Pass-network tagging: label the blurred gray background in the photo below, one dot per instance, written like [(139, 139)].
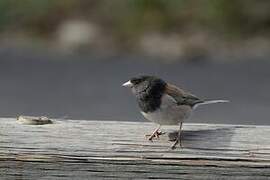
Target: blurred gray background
[(68, 59)]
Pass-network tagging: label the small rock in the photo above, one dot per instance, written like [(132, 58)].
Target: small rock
[(32, 120)]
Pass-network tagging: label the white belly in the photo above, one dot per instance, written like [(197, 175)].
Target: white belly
[(169, 112)]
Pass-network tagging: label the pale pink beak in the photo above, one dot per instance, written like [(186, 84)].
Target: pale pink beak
[(127, 84)]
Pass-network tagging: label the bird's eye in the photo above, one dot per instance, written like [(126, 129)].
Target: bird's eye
[(138, 80), (135, 81)]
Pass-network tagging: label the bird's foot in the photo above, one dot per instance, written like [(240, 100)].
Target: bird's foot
[(177, 141), (154, 135)]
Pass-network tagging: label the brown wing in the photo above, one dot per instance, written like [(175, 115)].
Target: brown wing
[(182, 97)]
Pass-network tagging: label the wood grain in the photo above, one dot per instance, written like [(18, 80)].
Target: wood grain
[(79, 149)]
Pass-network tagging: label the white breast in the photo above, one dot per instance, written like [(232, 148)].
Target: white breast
[(169, 112)]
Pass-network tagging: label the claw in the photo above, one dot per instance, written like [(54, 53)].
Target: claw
[(175, 144), (178, 139), (154, 135)]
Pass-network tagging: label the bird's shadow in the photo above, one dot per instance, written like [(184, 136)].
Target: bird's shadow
[(219, 138)]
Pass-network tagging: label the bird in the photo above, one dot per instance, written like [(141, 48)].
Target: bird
[(164, 103)]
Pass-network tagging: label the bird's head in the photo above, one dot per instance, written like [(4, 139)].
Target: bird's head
[(142, 83)]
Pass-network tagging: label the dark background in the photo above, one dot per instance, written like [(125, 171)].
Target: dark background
[(68, 59)]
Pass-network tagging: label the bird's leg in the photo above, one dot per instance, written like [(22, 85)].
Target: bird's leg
[(155, 133), (179, 138)]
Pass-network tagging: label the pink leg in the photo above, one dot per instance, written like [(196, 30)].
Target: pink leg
[(179, 138)]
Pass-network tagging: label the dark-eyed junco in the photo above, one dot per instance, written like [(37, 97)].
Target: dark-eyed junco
[(164, 103)]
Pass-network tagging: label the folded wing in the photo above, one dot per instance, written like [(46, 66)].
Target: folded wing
[(182, 97)]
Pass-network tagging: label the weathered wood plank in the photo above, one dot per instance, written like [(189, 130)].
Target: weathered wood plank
[(107, 149)]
